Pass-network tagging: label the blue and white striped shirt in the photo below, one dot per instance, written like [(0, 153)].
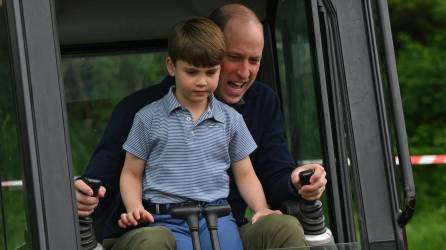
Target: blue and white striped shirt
[(186, 159)]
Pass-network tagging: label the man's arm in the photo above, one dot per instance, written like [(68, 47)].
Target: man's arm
[(108, 158), (272, 161)]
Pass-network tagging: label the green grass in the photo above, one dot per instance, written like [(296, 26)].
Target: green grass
[(427, 229)]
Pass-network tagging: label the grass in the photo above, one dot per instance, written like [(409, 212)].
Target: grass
[(426, 230)]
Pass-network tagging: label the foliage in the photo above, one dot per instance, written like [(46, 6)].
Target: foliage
[(422, 72), (426, 229), (419, 28), (93, 87)]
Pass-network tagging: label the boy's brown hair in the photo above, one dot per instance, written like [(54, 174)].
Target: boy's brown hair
[(197, 41)]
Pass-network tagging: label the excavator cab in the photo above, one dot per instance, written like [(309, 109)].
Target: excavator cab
[(66, 64)]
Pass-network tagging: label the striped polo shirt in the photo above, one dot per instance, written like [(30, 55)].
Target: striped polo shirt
[(186, 159)]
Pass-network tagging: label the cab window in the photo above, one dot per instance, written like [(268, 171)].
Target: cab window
[(13, 218), (94, 85), (297, 82)]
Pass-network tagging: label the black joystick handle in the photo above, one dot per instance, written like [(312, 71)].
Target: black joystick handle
[(310, 214), (305, 176), (212, 213), (190, 214), (94, 184), (88, 239)]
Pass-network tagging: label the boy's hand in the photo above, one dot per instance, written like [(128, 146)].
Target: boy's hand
[(134, 217), (264, 212)]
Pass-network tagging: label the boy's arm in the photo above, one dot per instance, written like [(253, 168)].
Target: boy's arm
[(131, 191), (250, 188)]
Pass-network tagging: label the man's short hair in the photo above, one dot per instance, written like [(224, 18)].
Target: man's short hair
[(197, 41), (224, 13)]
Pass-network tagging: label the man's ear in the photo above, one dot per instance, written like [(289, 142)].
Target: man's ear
[(170, 66)]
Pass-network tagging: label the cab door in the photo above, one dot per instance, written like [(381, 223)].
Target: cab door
[(341, 104), (34, 144)]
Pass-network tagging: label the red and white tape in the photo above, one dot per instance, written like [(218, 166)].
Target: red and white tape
[(415, 160), (15, 183), (426, 159)]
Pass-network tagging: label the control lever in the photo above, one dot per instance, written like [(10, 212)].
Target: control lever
[(212, 213), (88, 238), (304, 178), (311, 216), (190, 214)]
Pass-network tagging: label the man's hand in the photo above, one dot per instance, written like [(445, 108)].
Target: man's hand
[(316, 188), (86, 203)]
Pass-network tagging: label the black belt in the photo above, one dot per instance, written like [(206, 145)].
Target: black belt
[(155, 208)]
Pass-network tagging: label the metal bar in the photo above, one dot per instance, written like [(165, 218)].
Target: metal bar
[(341, 116), (398, 115), (52, 217), (36, 221), (326, 124)]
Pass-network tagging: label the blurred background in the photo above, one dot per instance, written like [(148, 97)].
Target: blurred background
[(419, 33)]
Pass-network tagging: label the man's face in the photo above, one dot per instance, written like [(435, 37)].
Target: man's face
[(244, 43)]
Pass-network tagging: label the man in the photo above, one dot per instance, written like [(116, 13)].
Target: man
[(260, 108)]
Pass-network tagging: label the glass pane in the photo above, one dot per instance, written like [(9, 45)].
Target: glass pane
[(297, 81), (12, 217), (298, 88), (94, 85), (297, 84)]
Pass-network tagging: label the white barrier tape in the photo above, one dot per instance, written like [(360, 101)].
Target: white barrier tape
[(427, 159), (15, 183), (415, 160)]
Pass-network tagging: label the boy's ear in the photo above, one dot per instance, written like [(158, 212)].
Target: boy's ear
[(170, 66)]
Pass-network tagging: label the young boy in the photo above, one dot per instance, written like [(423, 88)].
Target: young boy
[(180, 147)]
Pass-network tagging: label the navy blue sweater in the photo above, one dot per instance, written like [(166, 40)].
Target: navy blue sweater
[(261, 111)]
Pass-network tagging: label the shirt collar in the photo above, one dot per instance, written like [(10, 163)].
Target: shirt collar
[(215, 108), (170, 102)]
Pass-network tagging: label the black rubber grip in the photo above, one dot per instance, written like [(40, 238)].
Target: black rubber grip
[(305, 176), (94, 184)]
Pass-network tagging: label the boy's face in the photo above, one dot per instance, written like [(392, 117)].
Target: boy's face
[(193, 84)]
